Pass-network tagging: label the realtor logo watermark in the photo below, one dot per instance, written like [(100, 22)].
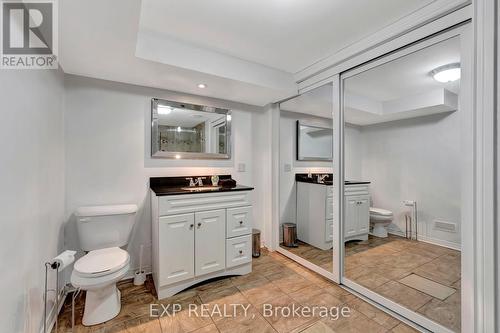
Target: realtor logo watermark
[(29, 34)]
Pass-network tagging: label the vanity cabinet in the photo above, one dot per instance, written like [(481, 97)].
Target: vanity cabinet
[(315, 214), (200, 236), (356, 212)]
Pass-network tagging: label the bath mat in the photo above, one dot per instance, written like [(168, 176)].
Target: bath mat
[(431, 288)]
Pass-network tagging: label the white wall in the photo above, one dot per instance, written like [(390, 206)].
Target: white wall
[(31, 192), (414, 159), (108, 159)]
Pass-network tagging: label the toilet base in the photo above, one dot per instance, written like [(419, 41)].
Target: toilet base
[(379, 230), (101, 305)]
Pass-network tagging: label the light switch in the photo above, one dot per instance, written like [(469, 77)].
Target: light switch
[(241, 167)]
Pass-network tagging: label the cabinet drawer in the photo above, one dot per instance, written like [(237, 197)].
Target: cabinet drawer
[(238, 251), (190, 203), (238, 221)]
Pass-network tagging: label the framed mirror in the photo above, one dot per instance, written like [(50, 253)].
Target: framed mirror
[(314, 143), (189, 131)]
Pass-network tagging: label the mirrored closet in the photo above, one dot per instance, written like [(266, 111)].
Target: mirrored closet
[(403, 130), (306, 177)]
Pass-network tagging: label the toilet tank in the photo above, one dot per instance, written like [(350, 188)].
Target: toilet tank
[(104, 226)]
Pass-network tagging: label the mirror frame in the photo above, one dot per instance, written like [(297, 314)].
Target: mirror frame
[(155, 149), (311, 159)]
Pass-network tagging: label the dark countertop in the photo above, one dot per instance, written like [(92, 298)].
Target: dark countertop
[(302, 177), (173, 185)]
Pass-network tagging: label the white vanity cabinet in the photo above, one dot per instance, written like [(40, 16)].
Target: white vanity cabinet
[(199, 236), (356, 212), (315, 214)]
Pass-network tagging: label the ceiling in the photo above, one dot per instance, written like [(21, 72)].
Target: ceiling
[(399, 89), (244, 51)]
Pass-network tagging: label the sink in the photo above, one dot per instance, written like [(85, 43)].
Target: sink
[(201, 188)]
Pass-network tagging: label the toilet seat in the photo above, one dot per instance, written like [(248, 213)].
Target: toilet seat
[(380, 212), (101, 262)]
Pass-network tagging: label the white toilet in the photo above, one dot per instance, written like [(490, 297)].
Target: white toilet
[(380, 219), (102, 230)]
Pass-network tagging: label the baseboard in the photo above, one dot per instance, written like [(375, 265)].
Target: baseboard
[(430, 240)]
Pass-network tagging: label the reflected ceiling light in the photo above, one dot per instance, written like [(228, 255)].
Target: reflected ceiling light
[(447, 73), (202, 85), (179, 129), (164, 110), (178, 156)]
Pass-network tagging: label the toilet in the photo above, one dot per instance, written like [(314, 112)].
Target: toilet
[(379, 220), (102, 231)]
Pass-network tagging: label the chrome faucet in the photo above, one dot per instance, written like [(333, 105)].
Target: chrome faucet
[(198, 181), (321, 178)]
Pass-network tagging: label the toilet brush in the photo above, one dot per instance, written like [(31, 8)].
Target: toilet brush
[(140, 275)]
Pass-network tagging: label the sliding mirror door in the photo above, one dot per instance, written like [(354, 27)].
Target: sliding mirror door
[(306, 177), (403, 154)]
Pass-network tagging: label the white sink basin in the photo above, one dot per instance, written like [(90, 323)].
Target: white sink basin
[(201, 188)]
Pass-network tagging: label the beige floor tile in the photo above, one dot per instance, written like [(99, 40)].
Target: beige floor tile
[(284, 321), (377, 315), (427, 286), (318, 327), (303, 294), (185, 320), (207, 329), (406, 296), (444, 270), (372, 280), (403, 328), (355, 323), (291, 283), (447, 312), (260, 291), (252, 322), (137, 325), (339, 293)]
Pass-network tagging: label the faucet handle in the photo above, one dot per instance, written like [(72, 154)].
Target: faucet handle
[(191, 181)]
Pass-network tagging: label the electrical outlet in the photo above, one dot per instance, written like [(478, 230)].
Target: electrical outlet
[(241, 167), (288, 167)]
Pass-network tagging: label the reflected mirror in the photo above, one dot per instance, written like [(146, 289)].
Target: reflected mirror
[(402, 140), (314, 143), (306, 202), (181, 130)]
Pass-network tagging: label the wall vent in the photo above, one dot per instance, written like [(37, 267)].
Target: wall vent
[(446, 226)]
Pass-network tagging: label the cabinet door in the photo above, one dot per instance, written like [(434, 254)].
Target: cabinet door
[(239, 221), (351, 216), (363, 215), (210, 241), (176, 248)]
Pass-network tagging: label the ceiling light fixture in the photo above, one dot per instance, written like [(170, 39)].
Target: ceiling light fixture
[(447, 73), (164, 110), (202, 85)]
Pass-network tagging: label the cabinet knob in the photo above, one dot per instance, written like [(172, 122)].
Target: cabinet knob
[(191, 226), (241, 251), (241, 222), (199, 224)]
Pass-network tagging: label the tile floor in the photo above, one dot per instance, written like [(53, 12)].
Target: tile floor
[(275, 280), (380, 263)]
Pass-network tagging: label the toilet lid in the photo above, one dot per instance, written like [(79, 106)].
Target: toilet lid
[(102, 262), (380, 211)]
